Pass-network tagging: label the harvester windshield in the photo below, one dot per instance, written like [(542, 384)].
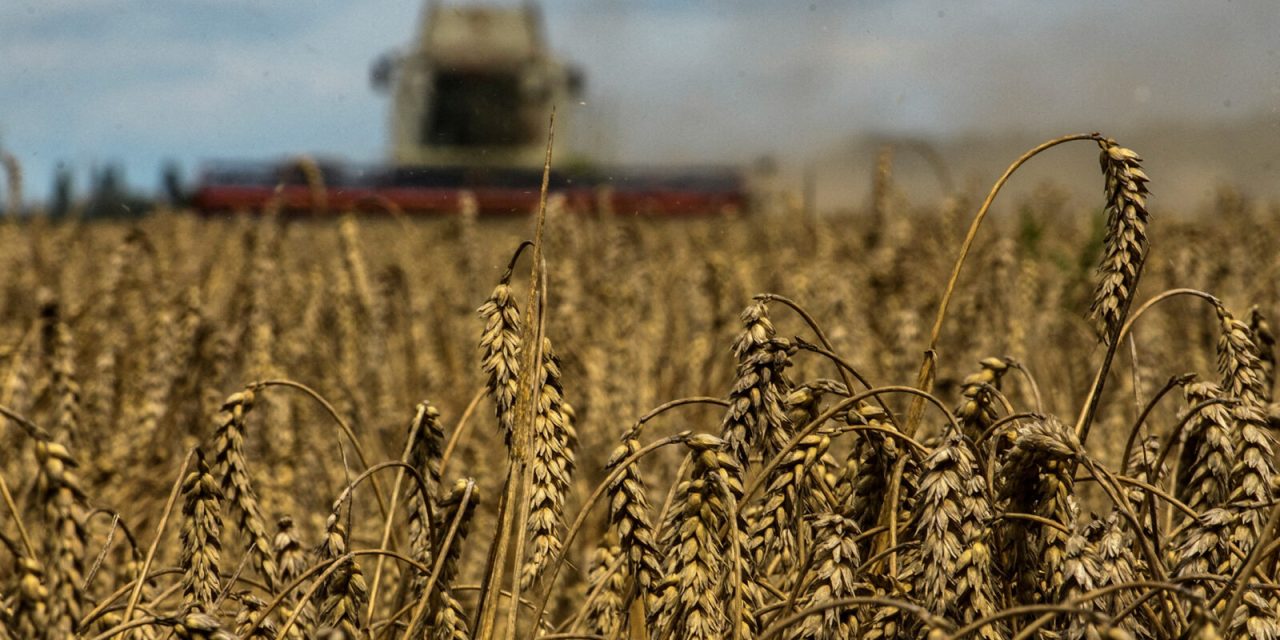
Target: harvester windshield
[(476, 109)]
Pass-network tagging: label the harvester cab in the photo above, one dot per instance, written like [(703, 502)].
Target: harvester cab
[(475, 88)]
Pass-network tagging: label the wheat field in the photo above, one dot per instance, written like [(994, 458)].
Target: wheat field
[(895, 424)]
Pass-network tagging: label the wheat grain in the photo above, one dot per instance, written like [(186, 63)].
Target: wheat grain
[(200, 626), (788, 499), (952, 521), (424, 455), (1074, 576), (1253, 474), (30, 600), (1241, 368), (1142, 466), (755, 421), (1118, 565), (344, 591), (63, 385), (1256, 617), (251, 608), (291, 562), (1203, 549), (1265, 340), (867, 479), (605, 615)]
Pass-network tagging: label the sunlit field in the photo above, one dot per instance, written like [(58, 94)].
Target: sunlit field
[(896, 423)]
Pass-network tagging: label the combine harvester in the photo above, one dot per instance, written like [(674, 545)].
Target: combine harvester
[(471, 103)]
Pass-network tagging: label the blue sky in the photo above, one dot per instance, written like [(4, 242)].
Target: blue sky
[(86, 82)]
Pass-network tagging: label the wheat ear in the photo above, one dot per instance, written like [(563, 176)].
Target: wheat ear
[(688, 604), (201, 529), (755, 415), (1126, 239), (449, 619), (1208, 453), (835, 560), (552, 462), (61, 495), (237, 486), (1037, 479), (953, 525), (629, 516)]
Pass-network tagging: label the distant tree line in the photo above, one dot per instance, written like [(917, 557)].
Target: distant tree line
[(109, 196)]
